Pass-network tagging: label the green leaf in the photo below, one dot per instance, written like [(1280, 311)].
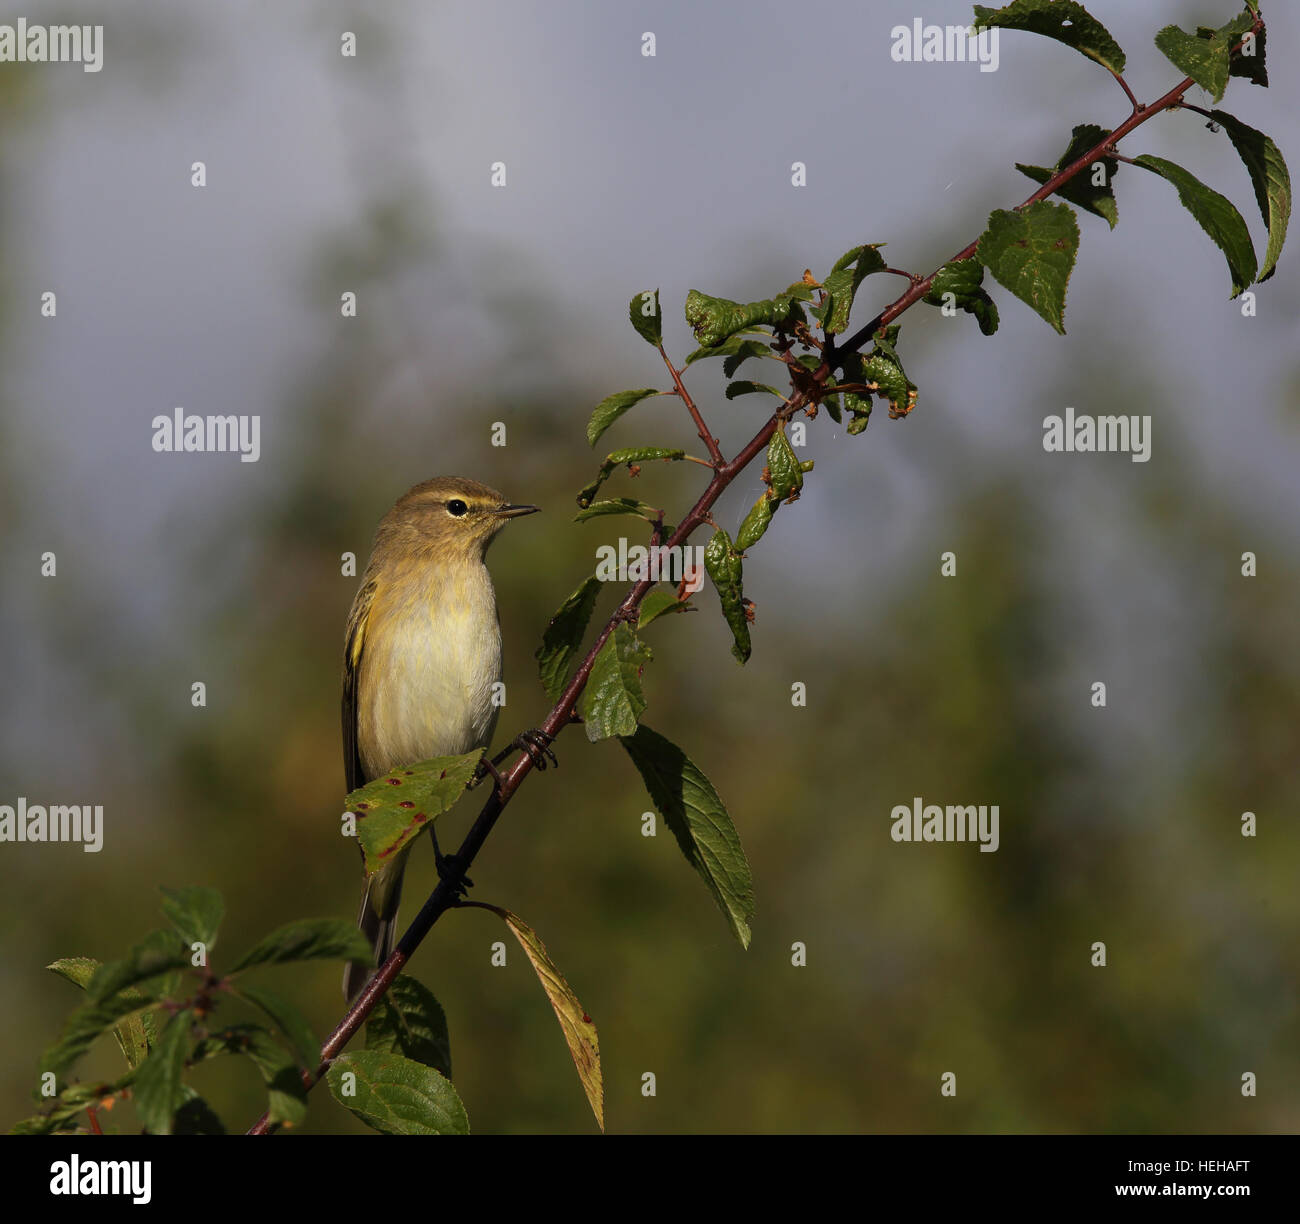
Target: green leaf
[(737, 347), (158, 1091), (1063, 20), (1204, 58), (76, 969), (578, 1028), (158, 953), (396, 1095), (1080, 189), (744, 387), (310, 939), (1249, 60), (883, 370), (288, 1019), (713, 319), (612, 407), (59, 1114), (744, 350), (563, 636), (1032, 253), (393, 810), (628, 455), (1269, 177), (962, 281), (195, 912), (699, 820), (91, 1020), (649, 326), (724, 566), (286, 1096), (841, 285), (408, 1020), (756, 521), (1216, 216), (617, 505), (659, 601), (612, 700), (784, 470)]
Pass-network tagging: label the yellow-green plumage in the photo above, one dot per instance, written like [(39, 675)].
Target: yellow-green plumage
[(421, 656)]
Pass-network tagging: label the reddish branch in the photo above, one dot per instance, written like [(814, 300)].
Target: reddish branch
[(445, 895)]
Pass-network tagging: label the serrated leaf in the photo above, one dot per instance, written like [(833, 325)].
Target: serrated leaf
[(629, 454), (612, 701), (158, 1091), (744, 387), (842, 284), (195, 912), (563, 635), (1216, 216), (409, 1020), (699, 821), (578, 1028), (288, 1019), (396, 1095), (612, 407), (713, 319), (310, 939), (1032, 253), (962, 281), (650, 327), (1270, 179), (91, 1020), (724, 566), (1080, 190), (1063, 20), (743, 351), (1205, 59), (393, 810), (659, 601)]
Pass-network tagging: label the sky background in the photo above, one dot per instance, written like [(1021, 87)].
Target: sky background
[(480, 304)]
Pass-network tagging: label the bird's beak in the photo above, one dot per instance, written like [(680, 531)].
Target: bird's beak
[(514, 511)]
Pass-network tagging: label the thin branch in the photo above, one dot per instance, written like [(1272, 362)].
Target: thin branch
[(706, 437), (445, 894), (1123, 84)]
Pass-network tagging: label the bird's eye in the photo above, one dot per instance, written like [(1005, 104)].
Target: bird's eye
[(457, 507)]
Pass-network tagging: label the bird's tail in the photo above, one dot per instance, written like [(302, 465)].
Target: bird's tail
[(378, 923)]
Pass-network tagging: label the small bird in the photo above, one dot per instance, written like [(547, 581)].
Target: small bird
[(421, 657)]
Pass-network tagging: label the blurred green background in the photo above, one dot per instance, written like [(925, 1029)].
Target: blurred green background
[(1119, 824)]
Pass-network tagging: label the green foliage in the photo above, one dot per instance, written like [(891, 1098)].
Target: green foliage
[(647, 317), (410, 1021), (714, 319), (1031, 252), (1081, 190), (962, 279), (563, 636), (1215, 215), (723, 564), (393, 810), (841, 286), (1269, 177), (612, 701), (1063, 20), (631, 456), (612, 407), (659, 602), (397, 1095), (686, 800), (1204, 56)]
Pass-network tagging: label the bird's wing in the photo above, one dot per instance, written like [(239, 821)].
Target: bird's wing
[(353, 653)]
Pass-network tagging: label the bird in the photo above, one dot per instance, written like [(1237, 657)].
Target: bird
[(422, 658)]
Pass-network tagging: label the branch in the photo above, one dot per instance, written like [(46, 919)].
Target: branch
[(445, 895)]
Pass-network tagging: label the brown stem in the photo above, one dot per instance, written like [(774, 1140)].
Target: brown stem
[(715, 453)]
